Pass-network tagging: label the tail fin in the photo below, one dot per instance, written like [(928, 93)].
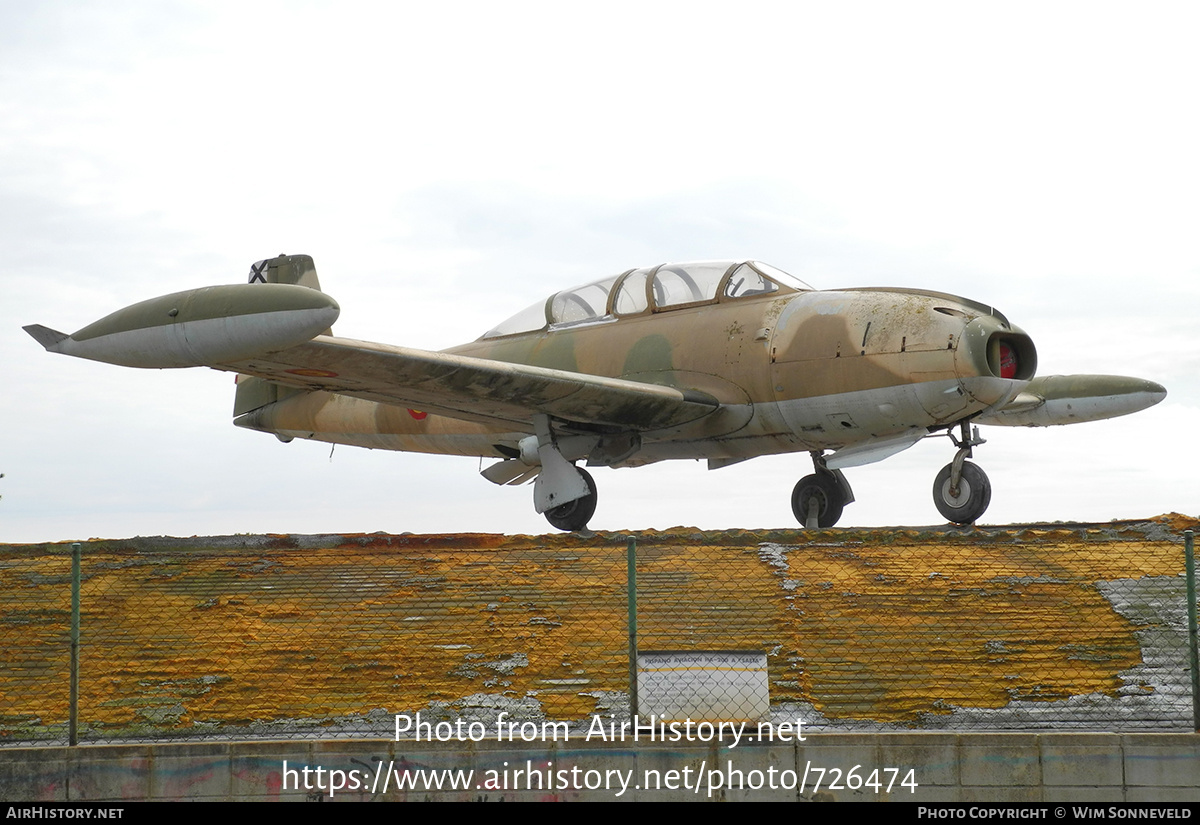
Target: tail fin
[(253, 393), (286, 269)]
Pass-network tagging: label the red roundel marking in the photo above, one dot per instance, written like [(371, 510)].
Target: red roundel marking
[(1008, 361), (313, 373), (417, 414)]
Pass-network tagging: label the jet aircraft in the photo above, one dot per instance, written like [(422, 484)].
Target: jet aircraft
[(718, 360)]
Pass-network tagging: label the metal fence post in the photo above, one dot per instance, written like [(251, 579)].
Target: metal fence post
[(73, 713), (631, 599), (1189, 562)]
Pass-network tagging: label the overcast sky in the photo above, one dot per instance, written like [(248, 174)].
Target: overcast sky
[(447, 164)]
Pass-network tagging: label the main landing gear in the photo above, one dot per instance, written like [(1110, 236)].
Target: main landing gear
[(961, 490), (818, 499), (574, 515), (563, 493)]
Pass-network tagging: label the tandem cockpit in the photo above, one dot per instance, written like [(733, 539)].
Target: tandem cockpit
[(651, 289)]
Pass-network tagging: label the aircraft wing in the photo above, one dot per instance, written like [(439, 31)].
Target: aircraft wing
[(475, 389), (277, 332)]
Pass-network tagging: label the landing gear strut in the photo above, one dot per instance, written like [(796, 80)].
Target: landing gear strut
[(574, 515), (562, 492), (818, 499), (961, 490)]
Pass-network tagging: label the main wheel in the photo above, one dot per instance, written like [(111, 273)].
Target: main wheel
[(823, 489), (974, 494), (574, 515)]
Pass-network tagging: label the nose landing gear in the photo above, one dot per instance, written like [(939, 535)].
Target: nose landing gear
[(961, 491)]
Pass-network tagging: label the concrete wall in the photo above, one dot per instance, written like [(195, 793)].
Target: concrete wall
[(966, 768)]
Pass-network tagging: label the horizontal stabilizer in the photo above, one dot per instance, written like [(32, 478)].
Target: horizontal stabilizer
[(48, 338), (1071, 399)]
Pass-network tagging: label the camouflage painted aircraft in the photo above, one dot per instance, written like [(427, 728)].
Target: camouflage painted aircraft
[(722, 361)]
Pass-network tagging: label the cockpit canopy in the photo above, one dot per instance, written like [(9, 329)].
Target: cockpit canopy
[(651, 289)]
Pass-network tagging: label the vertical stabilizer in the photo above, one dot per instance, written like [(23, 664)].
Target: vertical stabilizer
[(253, 393), (286, 269)]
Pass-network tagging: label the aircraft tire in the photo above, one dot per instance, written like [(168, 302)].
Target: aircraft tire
[(574, 515), (974, 494), (825, 489)]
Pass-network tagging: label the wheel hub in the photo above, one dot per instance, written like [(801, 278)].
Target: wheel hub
[(964, 493)]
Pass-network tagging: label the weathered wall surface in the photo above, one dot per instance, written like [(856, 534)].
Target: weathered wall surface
[(1013, 628), (961, 768)]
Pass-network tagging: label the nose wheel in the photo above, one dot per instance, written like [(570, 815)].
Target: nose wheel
[(966, 503), (961, 491)]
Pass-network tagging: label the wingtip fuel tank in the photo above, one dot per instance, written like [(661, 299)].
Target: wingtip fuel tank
[(1052, 400), (199, 327)]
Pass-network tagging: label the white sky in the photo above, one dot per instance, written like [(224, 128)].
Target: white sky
[(447, 164)]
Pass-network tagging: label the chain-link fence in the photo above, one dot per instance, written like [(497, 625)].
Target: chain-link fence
[(1027, 628)]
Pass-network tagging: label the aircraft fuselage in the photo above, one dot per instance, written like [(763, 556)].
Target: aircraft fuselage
[(799, 372)]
